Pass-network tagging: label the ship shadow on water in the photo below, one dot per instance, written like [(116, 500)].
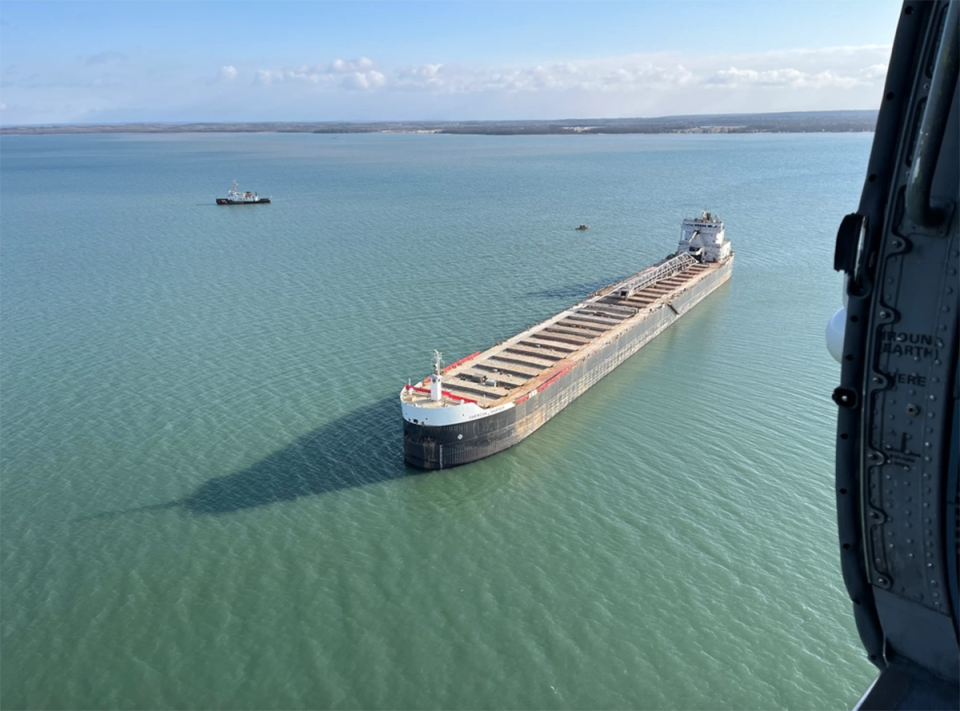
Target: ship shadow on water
[(364, 447)]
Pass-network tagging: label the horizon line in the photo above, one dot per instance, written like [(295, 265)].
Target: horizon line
[(429, 121)]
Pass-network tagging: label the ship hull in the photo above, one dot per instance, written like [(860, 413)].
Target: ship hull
[(441, 447), (227, 201)]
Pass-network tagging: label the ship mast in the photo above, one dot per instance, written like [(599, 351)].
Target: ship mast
[(436, 387)]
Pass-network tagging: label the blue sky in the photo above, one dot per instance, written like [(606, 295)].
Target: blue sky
[(92, 62)]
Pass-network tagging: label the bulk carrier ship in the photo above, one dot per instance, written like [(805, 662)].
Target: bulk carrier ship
[(489, 401)]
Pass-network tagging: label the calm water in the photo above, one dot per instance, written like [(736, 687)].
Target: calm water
[(204, 503)]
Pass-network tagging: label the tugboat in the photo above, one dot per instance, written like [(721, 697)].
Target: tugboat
[(235, 197), (583, 227)]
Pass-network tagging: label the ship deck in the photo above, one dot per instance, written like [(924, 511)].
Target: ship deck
[(515, 367)]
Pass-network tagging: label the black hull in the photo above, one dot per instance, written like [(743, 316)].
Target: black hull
[(428, 447), (225, 201)]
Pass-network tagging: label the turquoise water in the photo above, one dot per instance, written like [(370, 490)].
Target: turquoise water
[(204, 503)]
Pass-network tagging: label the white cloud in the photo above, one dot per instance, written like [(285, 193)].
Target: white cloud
[(652, 84), (352, 75), (672, 73), (277, 76), (343, 66), (837, 67), (263, 77), (609, 75), (874, 71), (791, 78), (363, 80)]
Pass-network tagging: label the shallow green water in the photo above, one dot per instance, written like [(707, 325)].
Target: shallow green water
[(204, 503)]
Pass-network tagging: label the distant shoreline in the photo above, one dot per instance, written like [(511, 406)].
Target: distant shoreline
[(791, 122)]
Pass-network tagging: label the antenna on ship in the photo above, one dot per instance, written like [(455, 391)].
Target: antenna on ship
[(436, 387)]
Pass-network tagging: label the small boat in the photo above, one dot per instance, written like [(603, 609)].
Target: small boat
[(236, 197), (583, 227)]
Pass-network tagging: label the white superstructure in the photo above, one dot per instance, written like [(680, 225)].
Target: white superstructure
[(436, 382), (237, 196), (704, 236)]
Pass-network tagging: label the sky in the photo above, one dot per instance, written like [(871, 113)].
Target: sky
[(272, 60)]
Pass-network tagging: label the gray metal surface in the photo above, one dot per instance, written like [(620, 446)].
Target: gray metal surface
[(667, 269), (897, 426)]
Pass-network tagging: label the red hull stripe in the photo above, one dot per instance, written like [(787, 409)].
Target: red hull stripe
[(457, 397), (443, 392), (553, 379), (466, 399)]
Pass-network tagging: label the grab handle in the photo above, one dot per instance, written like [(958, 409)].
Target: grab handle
[(934, 123)]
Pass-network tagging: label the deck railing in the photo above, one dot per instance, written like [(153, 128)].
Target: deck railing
[(666, 270)]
